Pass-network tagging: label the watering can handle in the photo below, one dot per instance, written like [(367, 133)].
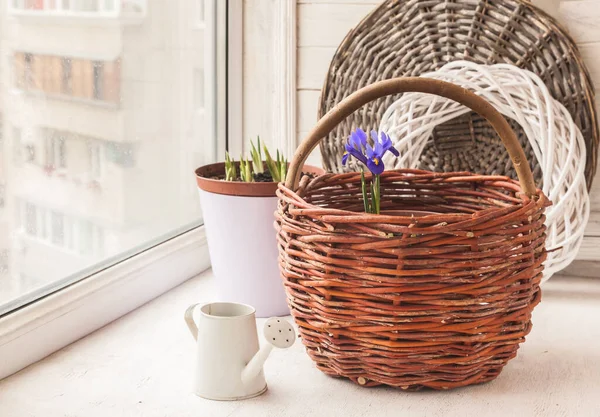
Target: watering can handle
[(189, 320)]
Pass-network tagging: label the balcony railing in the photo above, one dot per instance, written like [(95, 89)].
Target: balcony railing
[(107, 9)]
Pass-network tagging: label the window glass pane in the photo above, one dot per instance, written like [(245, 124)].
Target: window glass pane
[(58, 228), (31, 219), (100, 134)]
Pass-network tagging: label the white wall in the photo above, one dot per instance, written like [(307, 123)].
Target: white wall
[(322, 24)]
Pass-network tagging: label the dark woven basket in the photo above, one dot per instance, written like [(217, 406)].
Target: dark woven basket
[(438, 297), (413, 37)]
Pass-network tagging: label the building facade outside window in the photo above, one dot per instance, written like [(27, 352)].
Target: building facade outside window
[(96, 121)]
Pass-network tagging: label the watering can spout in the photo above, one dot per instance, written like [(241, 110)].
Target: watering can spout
[(278, 333)]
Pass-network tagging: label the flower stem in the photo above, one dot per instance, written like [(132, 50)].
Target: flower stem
[(376, 195), (363, 184)]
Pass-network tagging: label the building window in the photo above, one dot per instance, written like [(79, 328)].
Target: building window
[(57, 227), (43, 223), (85, 237), (67, 82), (67, 76), (109, 5), (98, 80), (34, 4), (56, 150), (17, 145), (95, 158), (121, 154), (85, 5), (31, 220), (28, 71)]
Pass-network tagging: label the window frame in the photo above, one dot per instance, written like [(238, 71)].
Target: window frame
[(36, 330)]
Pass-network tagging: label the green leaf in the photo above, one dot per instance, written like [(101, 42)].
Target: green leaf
[(257, 157), (271, 165), (377, 195), (284, 169), (230, 170)]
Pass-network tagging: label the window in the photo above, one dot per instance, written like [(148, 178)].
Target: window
[(57, 228), (95, 159), (17, 145), (66, 85), (109, 5), (28, 71), (79, 8), (103, 123), (98, 80), (56, 151), (31, 219), (68, 76)]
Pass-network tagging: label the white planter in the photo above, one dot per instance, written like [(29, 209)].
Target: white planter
[(243, 251)]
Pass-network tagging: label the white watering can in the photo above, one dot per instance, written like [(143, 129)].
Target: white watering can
[(229, 364)]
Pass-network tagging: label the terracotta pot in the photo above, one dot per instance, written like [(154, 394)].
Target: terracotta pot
[(208, 180), (238, 218)]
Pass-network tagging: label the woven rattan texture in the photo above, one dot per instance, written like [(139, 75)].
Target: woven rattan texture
[(412, 37), (554, 142), (439, 299)]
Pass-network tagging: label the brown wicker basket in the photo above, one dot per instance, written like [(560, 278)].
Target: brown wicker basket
[(413, 37), (441, 298)]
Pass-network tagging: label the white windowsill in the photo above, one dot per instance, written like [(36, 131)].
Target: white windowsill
[(142, 364), (41, 328)]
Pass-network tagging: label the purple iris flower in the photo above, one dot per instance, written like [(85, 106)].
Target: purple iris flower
[(356, 146), (371, 156)]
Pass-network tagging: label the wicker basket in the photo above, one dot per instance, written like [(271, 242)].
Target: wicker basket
[(412, 37), (441, 298)]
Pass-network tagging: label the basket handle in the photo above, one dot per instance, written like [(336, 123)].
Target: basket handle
[(418, 85)]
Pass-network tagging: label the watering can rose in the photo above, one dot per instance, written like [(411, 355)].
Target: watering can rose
[(371, 156)]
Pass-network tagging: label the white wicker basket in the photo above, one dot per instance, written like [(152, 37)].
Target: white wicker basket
[(520, 95)]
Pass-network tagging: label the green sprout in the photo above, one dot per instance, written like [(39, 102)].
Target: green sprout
[(246, 170), (249, 167), (278, 167), (230, 170), (256, 154)]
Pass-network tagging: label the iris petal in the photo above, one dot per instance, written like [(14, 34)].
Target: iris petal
[(345, 158), (376, 169), (385, 141), (361, 136), (374, 136), (370, 151), (352, 141), (358, 155), (379, 151)]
